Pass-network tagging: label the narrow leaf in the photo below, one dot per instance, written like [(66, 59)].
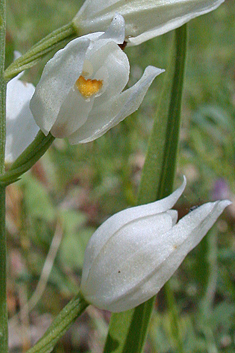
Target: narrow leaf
[(128, 330), (33, 55)]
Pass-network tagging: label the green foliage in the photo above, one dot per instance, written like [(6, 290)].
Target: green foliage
[(35, 195), (75, 239)]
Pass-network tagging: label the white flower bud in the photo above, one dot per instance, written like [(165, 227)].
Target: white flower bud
[(145, 19), (134, 253)]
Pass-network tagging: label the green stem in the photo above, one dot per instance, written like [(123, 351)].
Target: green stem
[(32, 56), (159, 168), (174, 318), (174, 116), (60, 325), (3, 299), (2, 85), (28, 158), (128, 330)]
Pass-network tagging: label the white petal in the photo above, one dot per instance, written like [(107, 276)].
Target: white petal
[(144, 19), (116, 30), (131, 99), (168, 16), (133, 255), (99, 117), (109, 64), (179, 241), (72, 115), (115, 61), (20, 125), (116, 66), (58, 77), (105, 117), (136, 260), (121, 219)]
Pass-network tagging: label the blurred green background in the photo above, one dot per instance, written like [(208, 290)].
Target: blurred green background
[(53, 210)]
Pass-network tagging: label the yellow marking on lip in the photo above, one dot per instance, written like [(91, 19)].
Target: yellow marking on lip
[(88, 87)]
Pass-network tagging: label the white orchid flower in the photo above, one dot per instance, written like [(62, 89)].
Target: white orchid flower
[(80, 93), (145, 19), (134, 253), (21, 128)]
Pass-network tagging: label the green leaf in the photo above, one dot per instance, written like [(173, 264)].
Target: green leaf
[(75, 239), (35, 195), (128, 330)]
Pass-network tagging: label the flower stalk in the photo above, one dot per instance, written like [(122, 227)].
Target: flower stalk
[(60, 325), (3, 299), (27, 159), (2, 85)]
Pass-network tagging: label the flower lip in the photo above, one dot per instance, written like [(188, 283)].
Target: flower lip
[(88, 87)]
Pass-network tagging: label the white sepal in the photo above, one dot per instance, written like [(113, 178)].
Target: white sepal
[(132, 255), (144, 19), (20, 125)]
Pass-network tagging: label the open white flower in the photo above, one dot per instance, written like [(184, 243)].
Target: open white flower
[(131, 255), (80, 96), (144, 19), (21, 128)]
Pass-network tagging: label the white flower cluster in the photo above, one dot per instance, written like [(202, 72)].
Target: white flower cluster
[(80, 93)]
